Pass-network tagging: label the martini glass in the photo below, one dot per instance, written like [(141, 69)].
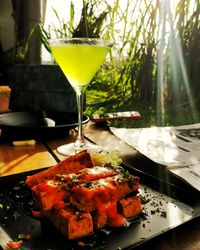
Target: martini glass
[(79, 59)]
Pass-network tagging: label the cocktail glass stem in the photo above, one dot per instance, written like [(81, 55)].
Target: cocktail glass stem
[(80, 141)]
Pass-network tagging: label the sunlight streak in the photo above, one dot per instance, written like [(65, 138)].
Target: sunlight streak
[(172, 77), (161, 66), (7, 167), (177, 58)]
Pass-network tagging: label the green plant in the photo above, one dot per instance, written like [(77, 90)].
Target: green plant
[(90, 23), (136, 68), (135, 50)]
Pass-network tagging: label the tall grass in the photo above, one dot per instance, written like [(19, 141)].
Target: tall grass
[(135, 70), (156, 50)]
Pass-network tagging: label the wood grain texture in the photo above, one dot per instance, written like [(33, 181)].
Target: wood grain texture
[(23, 158)]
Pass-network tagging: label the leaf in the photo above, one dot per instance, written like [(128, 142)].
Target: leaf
[(72, 13)]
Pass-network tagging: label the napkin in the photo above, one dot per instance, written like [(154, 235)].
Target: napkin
[(170, 146)]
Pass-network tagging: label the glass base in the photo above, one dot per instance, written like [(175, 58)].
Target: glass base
[(70, 149)]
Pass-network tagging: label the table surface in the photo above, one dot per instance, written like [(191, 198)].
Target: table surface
[(41, 155)]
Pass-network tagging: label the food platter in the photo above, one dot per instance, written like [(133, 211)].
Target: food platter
[(160, 214)]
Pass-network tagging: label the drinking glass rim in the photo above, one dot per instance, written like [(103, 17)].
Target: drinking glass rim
[(66, 40)]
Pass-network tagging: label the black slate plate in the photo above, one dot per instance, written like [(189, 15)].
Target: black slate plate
[(28, 125), (161, 213)]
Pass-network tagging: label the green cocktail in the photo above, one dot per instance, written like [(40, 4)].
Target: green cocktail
[(79, 59), (79, 62)]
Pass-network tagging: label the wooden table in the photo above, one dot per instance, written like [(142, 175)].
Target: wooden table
[(41, 155)]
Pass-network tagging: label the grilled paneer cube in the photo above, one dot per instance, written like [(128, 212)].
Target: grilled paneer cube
[(47, 194), (130, 207), (70, 165), (108, 215), (89, 174), (72, 223), (89, 196), (100, 219), (126, 208)]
